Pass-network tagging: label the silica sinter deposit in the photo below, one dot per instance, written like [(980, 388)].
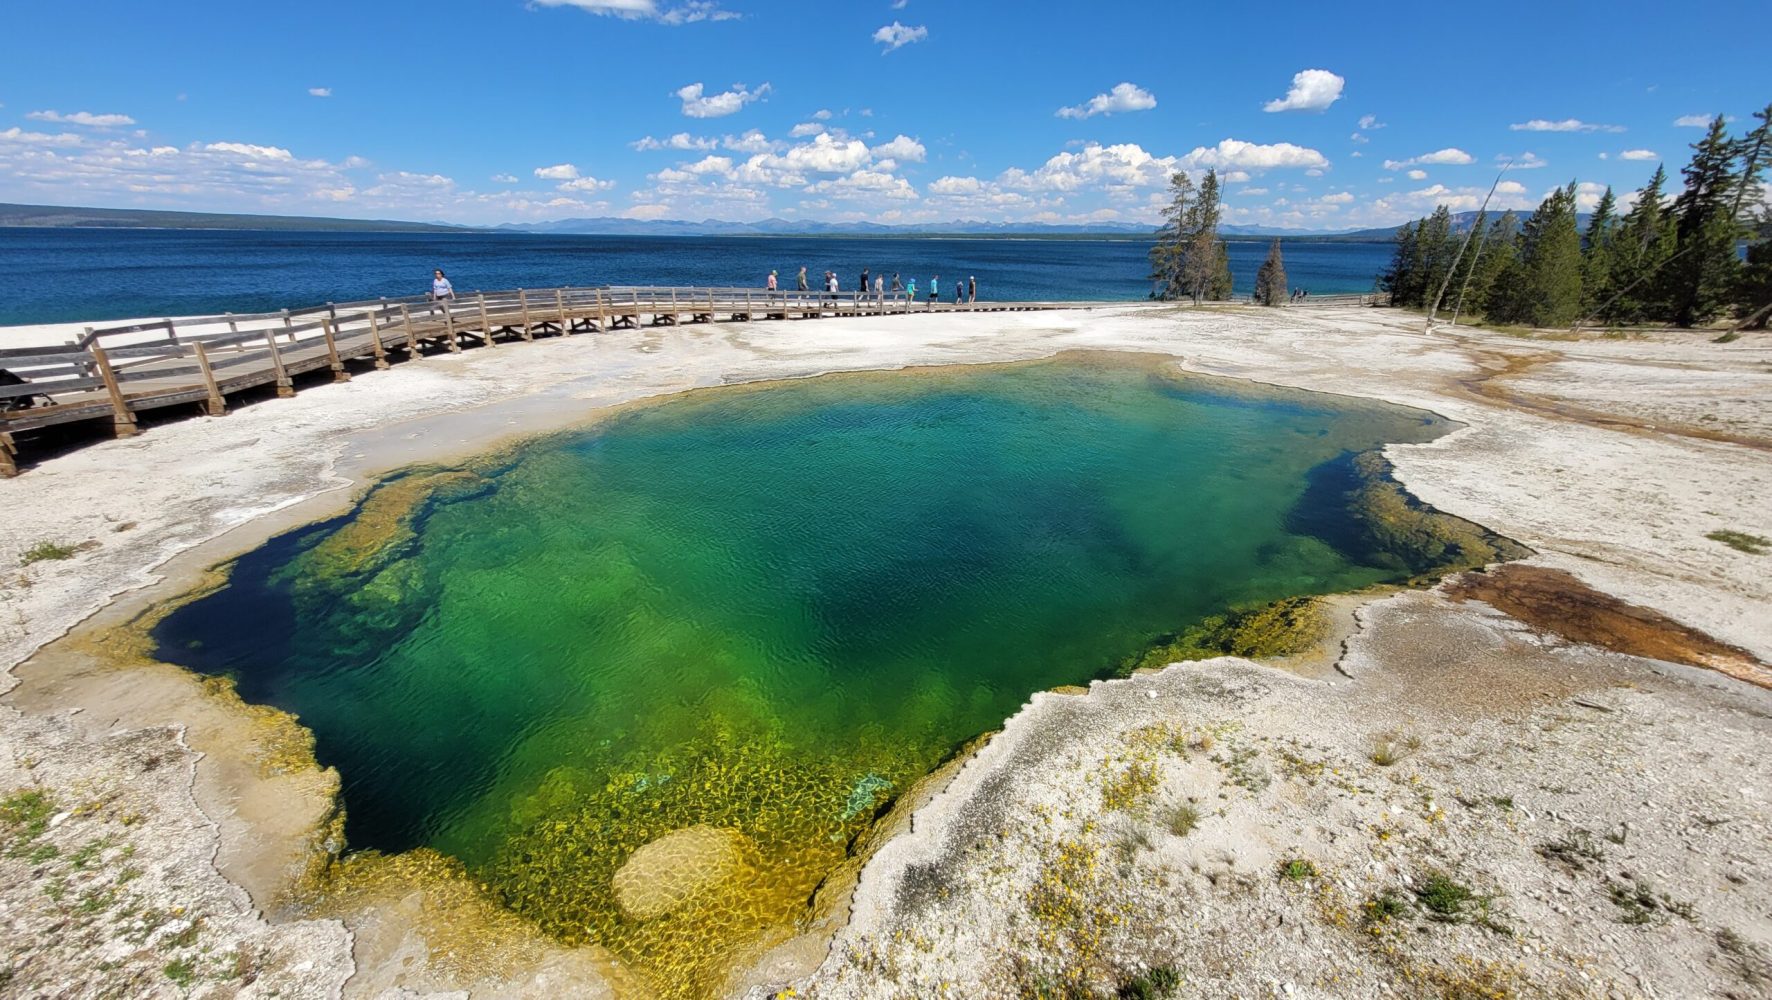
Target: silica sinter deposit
[(650, 679)]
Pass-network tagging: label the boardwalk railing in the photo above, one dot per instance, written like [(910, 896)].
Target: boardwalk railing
[(118, 372)]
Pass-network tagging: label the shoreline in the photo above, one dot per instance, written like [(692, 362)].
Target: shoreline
[(328, 484)]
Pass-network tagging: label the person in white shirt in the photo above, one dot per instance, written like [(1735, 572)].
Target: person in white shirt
[(440, 286)]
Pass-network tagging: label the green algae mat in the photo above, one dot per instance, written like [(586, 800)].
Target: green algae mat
[(650, 679)]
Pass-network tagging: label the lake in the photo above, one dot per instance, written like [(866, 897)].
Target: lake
[(73, 275)]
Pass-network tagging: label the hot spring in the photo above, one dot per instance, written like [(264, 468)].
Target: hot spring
[(733, 625)]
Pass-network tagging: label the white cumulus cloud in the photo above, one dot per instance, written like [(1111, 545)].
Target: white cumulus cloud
[(1312, 90), (319, 91), (586, 184), (649, 10), (896, 36), (557, 172), (1122, 98), (1237, 154), (1637, 154), (682, 141), (1564, 125), (902, 148), (85, 118), (1693, 121), (697, 103), (1450, 156)]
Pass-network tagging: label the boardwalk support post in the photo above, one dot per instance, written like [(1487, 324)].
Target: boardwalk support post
[(412, 352), (123, 421), (523, 302), (216, 405), (449, 327), (285, 388), (337, 364), (381, 351), (485, 324), (8, 456)]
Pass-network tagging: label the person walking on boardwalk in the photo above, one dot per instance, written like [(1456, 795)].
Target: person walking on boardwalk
[(865, 283), (770, 284), (897, 285), (880, 287), (972, 289), (959, 292), (911, 293), (802, 278), (441, 289), (934, 290)]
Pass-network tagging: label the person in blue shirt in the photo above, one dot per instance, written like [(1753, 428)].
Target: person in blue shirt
[(912, 290), (934, 289)]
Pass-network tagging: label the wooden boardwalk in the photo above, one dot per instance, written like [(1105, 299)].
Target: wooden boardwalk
[(114, 373)]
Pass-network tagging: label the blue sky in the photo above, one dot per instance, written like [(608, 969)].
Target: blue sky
[(485, 111)]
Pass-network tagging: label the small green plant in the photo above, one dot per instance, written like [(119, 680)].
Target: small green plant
[(1740, 541), (47, 551), (1443, 898), (1727, 338), (182, 971), (1384, 907), (1297, 870), (1392, 747), (1157, 983), (1182, 819)]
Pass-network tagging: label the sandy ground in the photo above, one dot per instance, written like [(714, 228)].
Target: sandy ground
[(1611, 458)]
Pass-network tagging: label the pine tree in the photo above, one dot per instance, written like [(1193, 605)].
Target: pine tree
[(1491, 259), (1436, 247), (1201, 267), (1399, 278), (1172, 238), (1270, 280), (1701, 275), (1640, 247), (1543, 286), (1753, 290), (1596, 255), (1221, 288)]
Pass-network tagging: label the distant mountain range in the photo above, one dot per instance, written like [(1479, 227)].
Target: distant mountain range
[(54, 216), (59, 217), (607, 226)]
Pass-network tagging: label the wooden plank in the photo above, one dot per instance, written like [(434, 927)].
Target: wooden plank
[(122, 421), (94, 333), (50, 388), (217, 406), (8, 455)]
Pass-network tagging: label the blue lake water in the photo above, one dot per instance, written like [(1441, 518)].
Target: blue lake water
[(67, 275)]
